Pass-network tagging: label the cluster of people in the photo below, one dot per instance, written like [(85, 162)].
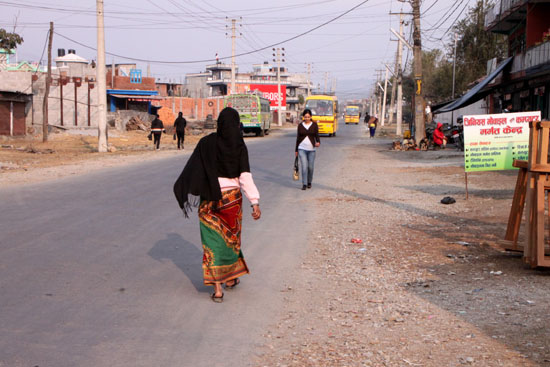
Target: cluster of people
[(157, 129)]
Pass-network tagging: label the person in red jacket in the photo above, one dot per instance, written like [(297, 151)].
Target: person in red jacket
[(439, 138)]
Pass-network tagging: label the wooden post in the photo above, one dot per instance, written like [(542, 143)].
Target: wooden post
[(466, 181), (47, 91), (61, 80), (75, 102)]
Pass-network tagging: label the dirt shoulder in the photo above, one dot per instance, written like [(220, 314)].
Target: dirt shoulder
[(427, 286), (30, 160)]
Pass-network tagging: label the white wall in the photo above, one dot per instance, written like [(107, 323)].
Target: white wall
[(478, 108)]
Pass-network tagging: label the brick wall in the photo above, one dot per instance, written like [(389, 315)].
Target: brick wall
[(192, 108), (123, 82)]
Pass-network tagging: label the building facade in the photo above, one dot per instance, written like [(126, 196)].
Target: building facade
[(525, 83)]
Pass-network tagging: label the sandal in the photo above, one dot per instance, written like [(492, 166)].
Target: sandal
[(216, 299), (235, 283)]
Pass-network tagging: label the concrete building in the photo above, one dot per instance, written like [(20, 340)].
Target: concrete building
[(15, 103), (216, 82), (526, 82), (522, 80)]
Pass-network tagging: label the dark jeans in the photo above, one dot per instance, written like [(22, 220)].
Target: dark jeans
[(372, 130), (156, 140), (307, 160), (181, 138)]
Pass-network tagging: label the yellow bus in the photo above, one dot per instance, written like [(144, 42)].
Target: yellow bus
[(324, 111), (352, 114)]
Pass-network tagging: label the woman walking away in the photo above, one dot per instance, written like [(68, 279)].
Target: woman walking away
[(307, 140), (180, 123), (212, 180), (157, 128), (373, 122)]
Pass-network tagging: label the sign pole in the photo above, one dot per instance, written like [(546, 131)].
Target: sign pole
[(466, 181)]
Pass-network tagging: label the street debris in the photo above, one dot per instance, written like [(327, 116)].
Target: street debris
[(448, 200)]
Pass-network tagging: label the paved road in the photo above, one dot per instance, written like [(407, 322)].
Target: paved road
[(102, 269)]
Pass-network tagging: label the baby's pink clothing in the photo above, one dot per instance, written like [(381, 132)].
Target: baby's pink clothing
[(245, 182)]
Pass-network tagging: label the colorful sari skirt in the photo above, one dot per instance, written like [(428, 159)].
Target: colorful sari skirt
[(220, 225)]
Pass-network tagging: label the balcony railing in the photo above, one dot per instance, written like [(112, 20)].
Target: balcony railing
[(534, 56), (501, 10)]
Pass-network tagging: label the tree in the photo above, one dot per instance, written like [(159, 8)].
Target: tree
[(475, 47), (9, 41)]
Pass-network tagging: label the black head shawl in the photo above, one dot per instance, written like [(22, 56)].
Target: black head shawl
[(220, 154), (232, 155)]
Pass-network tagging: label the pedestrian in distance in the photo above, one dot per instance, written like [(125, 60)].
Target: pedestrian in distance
[(212, 180), (366, 120), (307, 139), (373, 122), (157, 128), (179, 124)]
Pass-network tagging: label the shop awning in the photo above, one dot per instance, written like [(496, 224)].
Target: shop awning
[(137, 98), (476, 93)]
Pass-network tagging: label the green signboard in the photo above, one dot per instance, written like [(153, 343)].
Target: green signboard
[(492, 142)]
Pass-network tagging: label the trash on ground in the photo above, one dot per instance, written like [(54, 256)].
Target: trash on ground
[(448, 200)]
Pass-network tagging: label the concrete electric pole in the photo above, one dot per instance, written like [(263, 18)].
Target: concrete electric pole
[(48, 83), (279, 54), (233, 41), (419, 122), (101, 81), (396, 75), (308, 78), (384, 99)]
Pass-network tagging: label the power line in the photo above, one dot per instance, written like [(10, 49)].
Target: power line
[(225, 57)]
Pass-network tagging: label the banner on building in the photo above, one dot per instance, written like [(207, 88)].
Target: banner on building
[(492, 142), (269, 91)]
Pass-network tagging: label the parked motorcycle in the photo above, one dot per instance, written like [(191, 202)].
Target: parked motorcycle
[(454, 134), (458, 136)]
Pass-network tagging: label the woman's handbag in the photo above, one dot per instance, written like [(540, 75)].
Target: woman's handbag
[(296, 173)]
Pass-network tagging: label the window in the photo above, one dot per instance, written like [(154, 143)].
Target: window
[(135, 76)]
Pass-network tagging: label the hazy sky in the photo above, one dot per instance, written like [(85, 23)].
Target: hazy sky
[(350, 48)]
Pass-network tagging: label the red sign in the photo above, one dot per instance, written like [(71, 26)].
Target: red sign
[(269, 91)]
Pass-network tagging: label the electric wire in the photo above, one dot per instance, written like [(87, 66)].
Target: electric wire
[(225, 57)]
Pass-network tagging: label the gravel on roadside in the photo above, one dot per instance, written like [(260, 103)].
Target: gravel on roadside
[(395, 278)]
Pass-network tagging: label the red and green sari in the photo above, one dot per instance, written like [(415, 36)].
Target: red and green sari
[(221, 238)]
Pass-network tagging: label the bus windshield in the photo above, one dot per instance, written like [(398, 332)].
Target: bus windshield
[(320, 107), (352, 111)]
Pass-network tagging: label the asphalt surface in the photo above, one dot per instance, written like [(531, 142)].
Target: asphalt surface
[(103, 270)]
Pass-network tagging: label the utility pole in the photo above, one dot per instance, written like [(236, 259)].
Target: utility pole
[(326, 81), (384, 101), (101, 81), (399, 70), (48, 83), (233, 41), (454, 70), (308, 77), (278, 58), (419, 122), (398, 57)]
